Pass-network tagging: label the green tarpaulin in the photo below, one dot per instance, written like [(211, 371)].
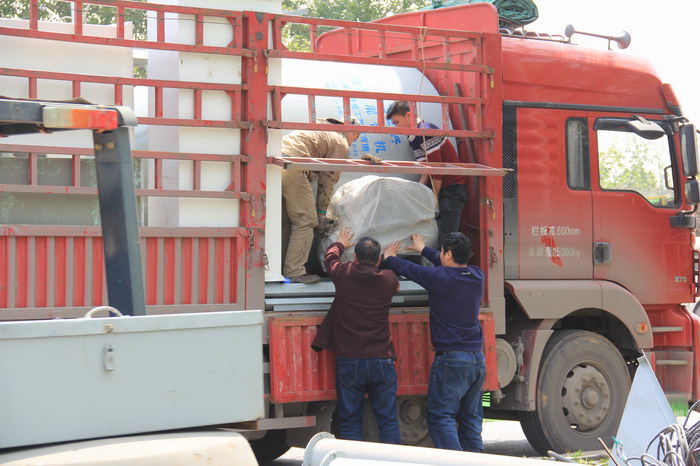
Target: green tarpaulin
[(512, 13)]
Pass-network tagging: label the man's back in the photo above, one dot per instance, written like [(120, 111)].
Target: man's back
[(454, 297), (359, 315), (316, 144), (454, 411), (357, 329)]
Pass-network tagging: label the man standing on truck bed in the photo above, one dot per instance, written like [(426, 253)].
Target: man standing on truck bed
[(357, 329), (457, 375), (449, 190), (306, 213)]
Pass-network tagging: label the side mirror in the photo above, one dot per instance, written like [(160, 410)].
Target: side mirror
[(646, 129), (689, 150), (692, 192), (639, 126)]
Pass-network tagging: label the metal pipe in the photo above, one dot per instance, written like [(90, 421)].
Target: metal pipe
[(338, 458), (324, 450)]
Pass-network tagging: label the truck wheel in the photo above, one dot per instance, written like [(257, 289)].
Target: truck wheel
[(411, 411), (414, 430), (582, 388), (271, 446)]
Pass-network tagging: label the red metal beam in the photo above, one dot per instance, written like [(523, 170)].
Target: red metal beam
[(161, 26), (78, 17), (160, 121), (161, 83), (254, 144), (137, 154), (120, 22), (199, 30), (146, 232), (131, 43), (384, 130), (135, 5), (33, 14), (387, 166), (352, 25), (379, 61), (75, 170), (33, 170), (84, 190)]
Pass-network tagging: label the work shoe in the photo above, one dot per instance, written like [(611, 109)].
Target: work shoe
[(306, 279)]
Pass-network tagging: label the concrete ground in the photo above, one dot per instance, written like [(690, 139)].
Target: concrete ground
[(500, 438)]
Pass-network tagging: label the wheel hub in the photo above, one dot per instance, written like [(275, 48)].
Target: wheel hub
[(412, 420), (410, 412), (585, 397)]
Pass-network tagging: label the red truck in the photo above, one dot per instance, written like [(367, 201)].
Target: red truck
[(581, 199)]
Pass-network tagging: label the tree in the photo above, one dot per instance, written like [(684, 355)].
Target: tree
[(636, 164), (60, 11), (296, 36)]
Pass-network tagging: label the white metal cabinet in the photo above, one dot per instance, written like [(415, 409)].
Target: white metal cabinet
[(86, 378)]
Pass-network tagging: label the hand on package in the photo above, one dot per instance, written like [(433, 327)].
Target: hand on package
[(345, 237), (372, 159), (324, 226), (417, 243), (391, 250)]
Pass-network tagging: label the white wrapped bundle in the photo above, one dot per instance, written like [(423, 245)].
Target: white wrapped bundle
[(387, 209)]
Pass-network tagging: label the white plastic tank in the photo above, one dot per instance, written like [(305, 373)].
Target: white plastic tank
[(358, 77)]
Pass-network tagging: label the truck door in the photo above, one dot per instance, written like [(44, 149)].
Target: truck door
[(553, 195), (635, 193)]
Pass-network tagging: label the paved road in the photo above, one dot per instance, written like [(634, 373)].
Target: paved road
[(500, 438)]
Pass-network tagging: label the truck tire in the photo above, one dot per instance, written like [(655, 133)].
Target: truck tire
[(411, 411), (582, 389), (271, 446)]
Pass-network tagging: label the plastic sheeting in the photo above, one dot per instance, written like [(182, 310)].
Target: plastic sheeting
[(646, 413), (511, 13), (387, 209)]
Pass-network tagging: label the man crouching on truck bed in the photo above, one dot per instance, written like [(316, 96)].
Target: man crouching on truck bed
[(357, 329), (306, 213), (449, 190), (454, 296)]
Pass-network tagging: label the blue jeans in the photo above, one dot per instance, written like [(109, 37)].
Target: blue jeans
[(451, 200), (454, 394), (377, 377)]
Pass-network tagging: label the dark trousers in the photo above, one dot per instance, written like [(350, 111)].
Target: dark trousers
[(454, 394), (376, 377), (451, 201)]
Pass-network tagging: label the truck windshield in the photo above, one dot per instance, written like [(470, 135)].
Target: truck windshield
[(628, 162)]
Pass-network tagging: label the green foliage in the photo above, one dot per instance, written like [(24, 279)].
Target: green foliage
[(59, 11), (637, 165), (296, 36)]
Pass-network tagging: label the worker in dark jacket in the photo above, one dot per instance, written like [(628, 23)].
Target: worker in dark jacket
[(454, 296), (357, 329)]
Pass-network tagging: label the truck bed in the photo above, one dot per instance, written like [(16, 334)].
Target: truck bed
[(286, 297)]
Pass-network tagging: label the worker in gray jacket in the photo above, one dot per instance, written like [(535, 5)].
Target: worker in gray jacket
[(304, 210)]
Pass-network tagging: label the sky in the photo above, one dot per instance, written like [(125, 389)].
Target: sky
[(664, 31)]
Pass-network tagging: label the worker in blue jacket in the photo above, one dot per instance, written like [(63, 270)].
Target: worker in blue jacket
[(454, 290)]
